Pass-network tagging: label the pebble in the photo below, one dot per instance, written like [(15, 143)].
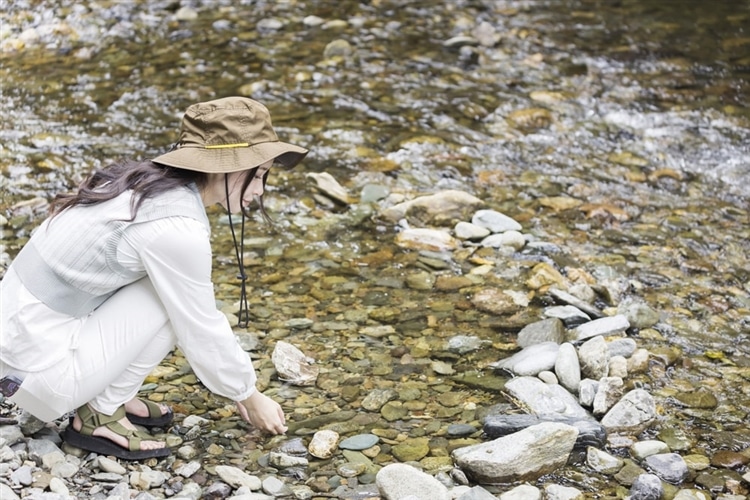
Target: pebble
[(646, 487), (324, 444), (670, 467), (359, 442), (571, 316), (494, 221)]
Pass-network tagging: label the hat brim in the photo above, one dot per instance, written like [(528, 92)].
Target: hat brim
[(227, 160)]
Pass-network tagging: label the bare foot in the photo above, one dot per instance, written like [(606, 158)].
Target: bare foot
[(137, 407), (116, 438)]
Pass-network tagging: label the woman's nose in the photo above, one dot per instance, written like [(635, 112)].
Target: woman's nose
[(255, 188)]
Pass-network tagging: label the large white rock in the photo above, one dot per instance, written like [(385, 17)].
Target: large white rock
[(530, 360), (545, 399), (609, 325), (400, 481), (435, 209), (521, 456), (633, 413), (237, 478)]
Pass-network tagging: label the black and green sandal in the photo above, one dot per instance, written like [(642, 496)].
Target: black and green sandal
[(92, 420), (155, 417)]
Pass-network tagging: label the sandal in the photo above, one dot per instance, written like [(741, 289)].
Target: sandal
[(155, 417), (92, 420)]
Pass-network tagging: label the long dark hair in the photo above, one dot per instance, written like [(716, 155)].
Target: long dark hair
[(145, 178)]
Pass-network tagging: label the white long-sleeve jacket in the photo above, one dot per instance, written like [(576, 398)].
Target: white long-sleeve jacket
[(174, 253)]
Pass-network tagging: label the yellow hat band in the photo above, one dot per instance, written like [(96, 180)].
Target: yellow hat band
[(222, 146)]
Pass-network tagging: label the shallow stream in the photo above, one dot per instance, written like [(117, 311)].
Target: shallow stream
[(617, 131)]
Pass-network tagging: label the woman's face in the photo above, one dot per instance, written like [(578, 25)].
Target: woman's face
[(240, 200)]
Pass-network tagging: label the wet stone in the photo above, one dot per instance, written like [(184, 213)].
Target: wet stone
[(394, 410), (676, 438), (412, 449), (624, 347), (451, 399), (697, 462), (495, 302), (571, 316), (603, 326), (646, 487), (463, 344), (377, 398), (602, 461), (531, 360), (293, 447), (729, 459), (671, 467), (571, 300), (460, 430), (643, 449), (359, 442), (697, 399), (548, 330), (351, 469), (639, 315), (711, 482), (629, 473)]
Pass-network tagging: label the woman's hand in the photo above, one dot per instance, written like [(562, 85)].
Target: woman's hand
[(263, 413)]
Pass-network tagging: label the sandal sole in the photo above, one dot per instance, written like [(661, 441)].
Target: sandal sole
[(104, 446), (162, 421)]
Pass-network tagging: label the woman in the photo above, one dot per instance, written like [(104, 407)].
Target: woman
[(120, 274)]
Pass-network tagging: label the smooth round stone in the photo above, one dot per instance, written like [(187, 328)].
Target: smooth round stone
[(359, 442), (460, 430), (351, 469)]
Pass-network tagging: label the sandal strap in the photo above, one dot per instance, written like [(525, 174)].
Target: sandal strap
[(91, 420), (134, 437), (154, 409)]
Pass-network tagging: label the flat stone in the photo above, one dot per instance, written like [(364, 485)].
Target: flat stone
[(524, 455), (590, 432), (530, 360), (571, 316), (547, 330), (603, 326), (359, 442), (545, 399), (495, 221)]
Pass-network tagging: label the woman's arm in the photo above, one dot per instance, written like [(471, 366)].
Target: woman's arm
[(175, 252)]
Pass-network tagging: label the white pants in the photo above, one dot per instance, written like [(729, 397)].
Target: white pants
[(120, 343)]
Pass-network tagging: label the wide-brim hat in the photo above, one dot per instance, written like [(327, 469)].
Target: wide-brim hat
[(229, 135)]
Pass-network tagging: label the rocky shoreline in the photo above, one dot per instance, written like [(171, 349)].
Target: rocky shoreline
[(576, 385)]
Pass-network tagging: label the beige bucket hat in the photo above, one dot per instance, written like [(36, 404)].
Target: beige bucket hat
[(228, 135)]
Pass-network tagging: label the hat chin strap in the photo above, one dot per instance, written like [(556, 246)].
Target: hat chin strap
[(243, 316)]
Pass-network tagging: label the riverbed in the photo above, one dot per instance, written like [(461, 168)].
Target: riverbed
[(618, 133)]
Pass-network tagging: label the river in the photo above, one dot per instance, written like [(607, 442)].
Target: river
[(635, 110)]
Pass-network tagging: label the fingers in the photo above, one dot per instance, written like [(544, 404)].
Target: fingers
[(263, 413)]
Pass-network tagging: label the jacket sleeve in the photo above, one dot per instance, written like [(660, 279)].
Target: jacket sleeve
[(176, 255)]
